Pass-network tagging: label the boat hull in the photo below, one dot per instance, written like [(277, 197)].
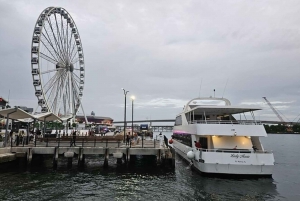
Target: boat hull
[(203, 165)]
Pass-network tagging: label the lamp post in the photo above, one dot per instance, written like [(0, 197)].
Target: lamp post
[(125, 93), (132, 100)]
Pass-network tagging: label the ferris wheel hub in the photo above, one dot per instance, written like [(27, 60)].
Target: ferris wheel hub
[(70, 67)]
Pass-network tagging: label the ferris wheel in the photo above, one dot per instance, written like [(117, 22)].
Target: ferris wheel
[(57, 63)]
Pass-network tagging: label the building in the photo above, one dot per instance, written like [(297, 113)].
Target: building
[(95, 119), (3, 103)]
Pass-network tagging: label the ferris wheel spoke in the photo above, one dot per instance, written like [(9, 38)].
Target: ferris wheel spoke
[(53, 70), (54, 81), (44, 56), (51, 93), (73, 48), (56, 38), (76, 78), (56, 42), (59, 36), (63, 33), (75, 60), (49, 82), (55, 102), (49, 40), (70, 43), (51, 47), (50, 43)]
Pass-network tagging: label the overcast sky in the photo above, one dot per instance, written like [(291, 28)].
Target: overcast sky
[(161, 50)]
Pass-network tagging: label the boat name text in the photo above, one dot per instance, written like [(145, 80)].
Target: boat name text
[(239, 156)]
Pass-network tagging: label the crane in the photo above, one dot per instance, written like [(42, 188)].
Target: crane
[(277, 114)]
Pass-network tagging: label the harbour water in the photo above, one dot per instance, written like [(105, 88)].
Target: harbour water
[(145, 182)]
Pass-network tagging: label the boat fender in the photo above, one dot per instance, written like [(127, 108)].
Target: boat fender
[(190, 155), (170, 141)]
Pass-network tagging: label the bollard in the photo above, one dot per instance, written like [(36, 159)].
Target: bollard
[(58, 141), (47, 142), (35, 140), (142, 141)]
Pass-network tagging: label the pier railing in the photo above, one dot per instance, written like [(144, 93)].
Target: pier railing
[(90, 141), (244, 151), (242, 122)]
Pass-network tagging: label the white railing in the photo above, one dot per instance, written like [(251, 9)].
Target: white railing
[(243, 122), (242, 151)]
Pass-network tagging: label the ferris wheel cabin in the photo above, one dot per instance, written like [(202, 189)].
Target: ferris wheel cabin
[(34, 60)]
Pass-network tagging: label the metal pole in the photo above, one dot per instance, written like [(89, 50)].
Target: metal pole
[(132, 118), (6, 129), (124, 119), (125, 93), (7, 119), (44, 126)]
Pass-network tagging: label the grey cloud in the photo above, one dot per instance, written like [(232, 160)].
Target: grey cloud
[(160, 51)]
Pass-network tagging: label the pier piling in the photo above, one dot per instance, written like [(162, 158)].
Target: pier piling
[(106, 158)]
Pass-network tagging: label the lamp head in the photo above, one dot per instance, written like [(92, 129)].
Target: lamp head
[(132, 97)]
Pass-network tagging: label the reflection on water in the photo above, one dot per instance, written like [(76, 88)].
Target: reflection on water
[(141, 181)]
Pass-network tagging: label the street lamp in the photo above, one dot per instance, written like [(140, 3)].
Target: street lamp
[(132, 100), (125, 93)]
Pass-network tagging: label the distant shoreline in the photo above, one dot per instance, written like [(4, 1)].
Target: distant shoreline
[(285, 133)]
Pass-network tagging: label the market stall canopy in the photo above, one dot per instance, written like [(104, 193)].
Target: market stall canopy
[(15, 113), (48, 116)]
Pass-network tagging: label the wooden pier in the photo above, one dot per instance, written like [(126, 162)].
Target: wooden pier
[(106, 147)]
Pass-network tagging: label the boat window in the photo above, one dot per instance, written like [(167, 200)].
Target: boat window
[(198, 117), (203, 142), (178, 121)]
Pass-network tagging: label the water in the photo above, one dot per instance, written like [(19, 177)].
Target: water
[(145, 182)]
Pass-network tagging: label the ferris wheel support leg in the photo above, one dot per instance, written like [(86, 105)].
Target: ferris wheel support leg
[(86, 121)]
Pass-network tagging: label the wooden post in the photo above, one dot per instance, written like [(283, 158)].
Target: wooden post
[(55, 158), (29, 157), (80, 158), (159, 157), (128, 155), (173, 157), (106, 158)]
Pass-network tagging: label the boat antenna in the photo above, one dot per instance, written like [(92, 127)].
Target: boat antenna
[(225, 87), (200, 88)]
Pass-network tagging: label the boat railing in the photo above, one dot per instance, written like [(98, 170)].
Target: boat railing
[(242, 122), (241, 151)]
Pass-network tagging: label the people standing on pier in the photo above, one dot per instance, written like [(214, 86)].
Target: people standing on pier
[(23, 137), (127, 139), (73, 139), (160, 138)]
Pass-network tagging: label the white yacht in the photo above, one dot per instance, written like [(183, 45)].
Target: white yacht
[(228, 144)]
